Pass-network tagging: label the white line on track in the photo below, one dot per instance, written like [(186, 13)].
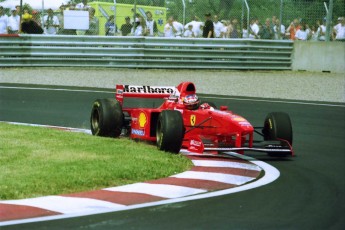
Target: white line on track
[(208, 97)]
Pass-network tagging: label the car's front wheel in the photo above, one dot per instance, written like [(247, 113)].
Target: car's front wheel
[(277, 126), (170, 131)]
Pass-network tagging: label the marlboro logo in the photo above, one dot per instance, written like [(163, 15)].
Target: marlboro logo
[(148, 89)]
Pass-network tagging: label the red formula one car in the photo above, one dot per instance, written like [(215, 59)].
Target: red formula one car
[(183, 122)]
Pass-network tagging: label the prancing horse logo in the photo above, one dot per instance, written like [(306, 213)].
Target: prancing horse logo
[(192, 120)]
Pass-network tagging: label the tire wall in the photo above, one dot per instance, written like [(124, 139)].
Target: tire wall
[(319, 56)]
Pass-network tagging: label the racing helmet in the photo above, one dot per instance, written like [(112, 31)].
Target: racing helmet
[(191, 101)]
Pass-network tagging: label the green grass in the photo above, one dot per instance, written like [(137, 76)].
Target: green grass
[(38, 161)]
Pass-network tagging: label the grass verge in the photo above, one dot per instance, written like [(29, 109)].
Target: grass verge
[(37, 161)]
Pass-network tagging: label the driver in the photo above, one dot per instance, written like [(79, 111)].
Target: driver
[(191, 102)]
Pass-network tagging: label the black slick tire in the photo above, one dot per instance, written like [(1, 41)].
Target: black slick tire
[(277, 126), (170, 131), (106, 118)]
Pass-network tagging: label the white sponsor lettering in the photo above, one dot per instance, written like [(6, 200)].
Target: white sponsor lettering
[(138, 132), (195, 143)]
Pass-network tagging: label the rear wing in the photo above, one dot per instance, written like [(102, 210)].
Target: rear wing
[(144, 91)]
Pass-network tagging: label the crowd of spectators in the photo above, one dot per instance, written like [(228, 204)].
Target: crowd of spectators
[(51, 24), (210, 27)]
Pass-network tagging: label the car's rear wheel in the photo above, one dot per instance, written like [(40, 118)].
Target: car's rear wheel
[(277, 126), (170, 131), (106, 118)]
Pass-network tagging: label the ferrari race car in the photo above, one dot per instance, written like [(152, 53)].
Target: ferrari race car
[(183, 122)]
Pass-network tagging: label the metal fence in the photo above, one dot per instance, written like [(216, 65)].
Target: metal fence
[(286, 10), (144, 52)]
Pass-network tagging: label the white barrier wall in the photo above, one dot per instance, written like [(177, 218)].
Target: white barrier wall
[(319, 56)]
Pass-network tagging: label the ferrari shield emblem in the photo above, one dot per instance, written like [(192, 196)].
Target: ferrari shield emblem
[(192, 120)]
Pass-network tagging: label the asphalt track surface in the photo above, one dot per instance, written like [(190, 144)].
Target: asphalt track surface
[(309, 194)]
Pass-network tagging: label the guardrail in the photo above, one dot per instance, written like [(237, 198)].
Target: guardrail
[(144, 52)]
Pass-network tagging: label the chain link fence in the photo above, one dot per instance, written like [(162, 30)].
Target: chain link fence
[(312, 13), (149, 17), (287, 10)]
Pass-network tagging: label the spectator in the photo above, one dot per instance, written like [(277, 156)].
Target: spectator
[(307, 29), (13, 22), (233, 30), (25, 11), (29, 26), (335, 28), (152, 29), (188, 33), (72, 6), (224, 33), (179, 27), (254, 29), (82, 6), (245, 32), (137, 15), (318, 22), (267, 31), (51, 22), (218, 26), (61, 20), (36, 17), (93, 23), (279, 30), (3, 21), (197, 26), (339, 29), (110, 27), (127, 27), (302, 33), (313, 33), (208, 30), (18, 9), (322, 30), (170, 29), (274, 19), (140, 28), (260, 29), (293, 28)]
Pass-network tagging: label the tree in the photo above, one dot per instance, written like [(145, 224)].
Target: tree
[(222, 7)]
